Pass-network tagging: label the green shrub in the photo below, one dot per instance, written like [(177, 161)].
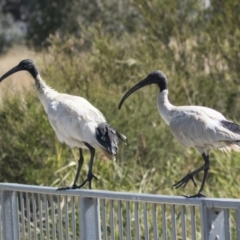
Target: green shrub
[(102, 67), (26, 141)]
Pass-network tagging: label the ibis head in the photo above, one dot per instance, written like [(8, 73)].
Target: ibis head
[(156, 77), (24, 65)]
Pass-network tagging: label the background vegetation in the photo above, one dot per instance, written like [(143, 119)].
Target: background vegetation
[(99, 50)]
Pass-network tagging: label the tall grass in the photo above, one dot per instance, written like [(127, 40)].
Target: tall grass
[(197, 49), (102, 67)]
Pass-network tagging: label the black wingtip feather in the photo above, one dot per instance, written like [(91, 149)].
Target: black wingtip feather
[(108, 137), (233, 127)]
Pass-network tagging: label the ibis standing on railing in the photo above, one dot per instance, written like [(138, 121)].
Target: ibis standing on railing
[(193, 126), (75, 121)]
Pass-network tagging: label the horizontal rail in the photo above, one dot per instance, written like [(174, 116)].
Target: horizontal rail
[(44, 213), (227, 203)]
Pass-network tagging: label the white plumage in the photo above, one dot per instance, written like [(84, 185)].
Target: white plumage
[(197, 126), (75, 121), (193, 126)]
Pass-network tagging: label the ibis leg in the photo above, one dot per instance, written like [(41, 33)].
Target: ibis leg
[(207, 163), (80, 163), (90, 175), (183, 182)]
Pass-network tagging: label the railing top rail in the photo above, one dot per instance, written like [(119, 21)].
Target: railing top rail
[(126, 196)]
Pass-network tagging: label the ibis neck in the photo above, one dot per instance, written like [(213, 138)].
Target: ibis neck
[(45, 93), (165, 108), (33, 71), (40, 84)]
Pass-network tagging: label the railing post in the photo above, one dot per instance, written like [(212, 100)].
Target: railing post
[(9, 215), (89, 218), (214, 223)]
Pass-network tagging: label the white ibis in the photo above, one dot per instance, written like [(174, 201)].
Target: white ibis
[(74, 120), (193, 126)]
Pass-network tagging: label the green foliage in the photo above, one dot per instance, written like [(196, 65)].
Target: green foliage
[(47, 17), (69, 17), (197, 51), (26, 141)]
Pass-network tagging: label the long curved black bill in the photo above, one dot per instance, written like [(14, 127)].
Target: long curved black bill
[(146, 81), (10, 72)]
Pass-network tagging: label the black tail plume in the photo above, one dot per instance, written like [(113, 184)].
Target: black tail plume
[(109, 137)]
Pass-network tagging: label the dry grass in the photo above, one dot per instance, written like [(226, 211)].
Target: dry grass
[(21, 80)]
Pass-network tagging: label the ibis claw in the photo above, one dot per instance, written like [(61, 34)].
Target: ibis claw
[(89, 179), (183, 182), (198, 195), (74, 186), (63, 188)]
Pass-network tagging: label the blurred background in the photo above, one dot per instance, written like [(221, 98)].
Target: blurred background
[(98, 49)]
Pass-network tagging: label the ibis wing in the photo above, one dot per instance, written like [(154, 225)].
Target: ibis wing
[(79, 106), (197, 129), (200, 110)]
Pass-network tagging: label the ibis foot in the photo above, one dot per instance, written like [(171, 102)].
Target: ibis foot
[(198, 195), (74, 186), (183, 182), (89, 179)]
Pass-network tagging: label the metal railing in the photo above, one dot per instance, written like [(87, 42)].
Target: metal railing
[(34, 212)]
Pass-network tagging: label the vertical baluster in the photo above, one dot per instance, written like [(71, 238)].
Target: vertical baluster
[(60, 228), (145, 213), (112, 220), (183, 221), (53, 217), (34, 215), (164, 222), (18, 216), (22, 215), (73, 218), (137, 224), (28, 216), (154, 216), (120, 223), (46, 216), (79, 216), (226, 225), (40, 216), (66, 217), (193, 222), (104, 220), (128, 212), (173, 220)]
